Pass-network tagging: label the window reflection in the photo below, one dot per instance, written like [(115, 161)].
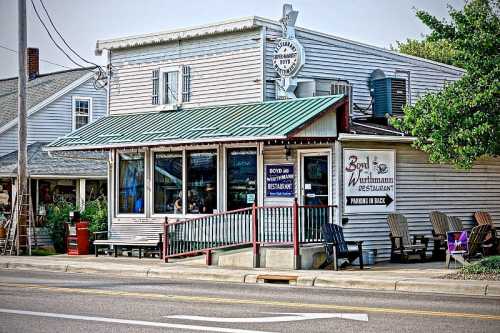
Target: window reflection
[(202, 182), (241, 178), (168, 183), (131, 183)]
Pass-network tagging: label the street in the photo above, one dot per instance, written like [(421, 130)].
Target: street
[(35, 301)]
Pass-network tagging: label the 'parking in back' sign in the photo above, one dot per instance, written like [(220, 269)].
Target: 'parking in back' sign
[(369, 181)]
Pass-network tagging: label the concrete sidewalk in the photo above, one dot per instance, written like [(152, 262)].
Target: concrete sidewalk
[(415, 278)]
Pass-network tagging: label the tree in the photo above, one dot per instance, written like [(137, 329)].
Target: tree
[(461, 123), (440, 50)]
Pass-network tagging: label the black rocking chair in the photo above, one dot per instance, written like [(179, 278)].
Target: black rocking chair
[(337, 247)]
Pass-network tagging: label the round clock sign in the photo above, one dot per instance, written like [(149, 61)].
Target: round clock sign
[(288, 57)]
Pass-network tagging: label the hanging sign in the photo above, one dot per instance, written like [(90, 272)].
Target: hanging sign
[(280, 180), (369, 181), (288, 57)]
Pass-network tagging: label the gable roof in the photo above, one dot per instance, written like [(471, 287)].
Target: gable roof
[(253, 22), (39, 92), (272, 120), (85, 164)]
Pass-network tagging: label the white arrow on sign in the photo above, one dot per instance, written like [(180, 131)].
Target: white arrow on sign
[(283, 317)]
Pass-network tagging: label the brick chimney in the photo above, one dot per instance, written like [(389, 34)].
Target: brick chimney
[(33, 63)]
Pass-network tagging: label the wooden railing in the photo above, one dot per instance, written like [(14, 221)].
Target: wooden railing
[(255, 226)]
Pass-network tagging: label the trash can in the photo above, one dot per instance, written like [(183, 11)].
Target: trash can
[(368, 258)]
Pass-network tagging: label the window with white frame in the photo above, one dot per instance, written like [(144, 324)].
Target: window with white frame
[(171, 85), (131, 183), (82, 111)]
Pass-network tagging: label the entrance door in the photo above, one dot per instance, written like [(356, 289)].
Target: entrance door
[(315, 177), (315, 187)]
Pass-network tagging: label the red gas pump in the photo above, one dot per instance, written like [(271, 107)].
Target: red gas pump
[(78, 235)]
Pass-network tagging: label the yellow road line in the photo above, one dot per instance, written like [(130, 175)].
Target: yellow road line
[(210, 299)]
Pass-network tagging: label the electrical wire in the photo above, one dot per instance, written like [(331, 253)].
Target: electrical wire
[(100, 75), (42, 60)]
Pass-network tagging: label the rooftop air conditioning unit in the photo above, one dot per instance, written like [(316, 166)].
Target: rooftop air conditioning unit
[(389, 96)]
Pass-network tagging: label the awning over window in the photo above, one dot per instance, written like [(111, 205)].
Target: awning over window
[(243, 122)]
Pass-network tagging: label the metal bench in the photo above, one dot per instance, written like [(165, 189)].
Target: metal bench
[(145, 237)]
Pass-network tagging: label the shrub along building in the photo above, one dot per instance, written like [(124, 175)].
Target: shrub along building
[(58, 103), (214, 118)]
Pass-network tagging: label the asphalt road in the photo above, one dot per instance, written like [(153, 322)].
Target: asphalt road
[(33, 301)]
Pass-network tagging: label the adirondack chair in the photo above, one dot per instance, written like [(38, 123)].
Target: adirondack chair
[(475, 244), (455, 224), (440, 228), (401, 245), (484, 218), (337, 247)]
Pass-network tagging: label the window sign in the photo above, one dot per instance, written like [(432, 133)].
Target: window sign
[(168, 183), (202, 182), (131, 183), (369, 181), (280, 180), (241, 178)]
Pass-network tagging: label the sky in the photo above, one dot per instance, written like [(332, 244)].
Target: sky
[(83, 22)]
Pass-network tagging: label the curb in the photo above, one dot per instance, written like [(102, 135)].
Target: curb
[(450, 287)]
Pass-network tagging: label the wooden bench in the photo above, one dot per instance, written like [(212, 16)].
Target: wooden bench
[(146, 237)]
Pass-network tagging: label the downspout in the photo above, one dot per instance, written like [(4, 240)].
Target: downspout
[(109, 83)]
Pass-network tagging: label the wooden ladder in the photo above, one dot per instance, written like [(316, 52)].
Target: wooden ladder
[(21, 229)]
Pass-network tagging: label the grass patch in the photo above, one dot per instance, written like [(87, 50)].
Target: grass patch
[(488, 265), (42, 252)]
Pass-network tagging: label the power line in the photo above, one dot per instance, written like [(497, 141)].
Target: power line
[(52, 38), (62, 38), (43, 60), (100, 75)]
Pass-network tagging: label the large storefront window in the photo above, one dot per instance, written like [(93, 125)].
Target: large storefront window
[(202, 182), (131, 183), (241, 178), (168, 183)]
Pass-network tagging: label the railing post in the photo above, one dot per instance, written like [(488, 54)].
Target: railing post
[(165, 240), (295, 231), (255, 243)]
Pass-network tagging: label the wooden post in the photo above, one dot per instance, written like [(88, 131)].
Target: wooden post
[(22, 172), (255, 243), (295, 230), (165, 240)]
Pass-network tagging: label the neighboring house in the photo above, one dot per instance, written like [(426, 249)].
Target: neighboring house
[(195, 128), (57, 103)]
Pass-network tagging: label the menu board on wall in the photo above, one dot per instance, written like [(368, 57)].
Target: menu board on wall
[(280, 180), (369, 180)]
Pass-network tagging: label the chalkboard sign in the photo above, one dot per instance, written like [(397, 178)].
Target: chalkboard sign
[(280, 180)]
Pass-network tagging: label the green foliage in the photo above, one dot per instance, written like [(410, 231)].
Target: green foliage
[(96, 213), (440, 51), (486, 265), (461, 124), (57, 216), (42, 252)]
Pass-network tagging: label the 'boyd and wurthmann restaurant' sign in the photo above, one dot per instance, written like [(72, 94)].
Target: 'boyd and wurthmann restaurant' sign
[(369, 181), (280, 180)]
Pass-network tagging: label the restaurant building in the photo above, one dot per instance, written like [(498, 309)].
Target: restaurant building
[(215, 118)]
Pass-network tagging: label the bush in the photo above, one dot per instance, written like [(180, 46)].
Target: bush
[(96, 213), (57, 216), (487, 265)]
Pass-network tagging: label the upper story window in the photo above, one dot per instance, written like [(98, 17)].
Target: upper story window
[(82, 111), (171, 85)]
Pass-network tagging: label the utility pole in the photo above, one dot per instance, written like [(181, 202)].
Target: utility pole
[(22, 173)]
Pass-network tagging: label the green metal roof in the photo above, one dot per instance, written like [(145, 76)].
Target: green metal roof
[(241, 122)]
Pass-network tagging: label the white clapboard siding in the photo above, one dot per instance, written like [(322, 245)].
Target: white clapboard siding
[(225, 69), (331, 58), (422, 187)]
